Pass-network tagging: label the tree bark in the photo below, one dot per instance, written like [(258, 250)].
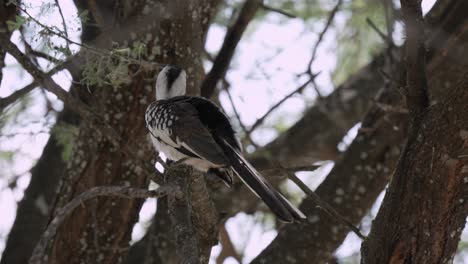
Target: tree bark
[(424, 210), (100, 230)]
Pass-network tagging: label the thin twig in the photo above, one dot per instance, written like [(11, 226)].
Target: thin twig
[(64, 23), (330, 18), (277, 10), (224, 57), (62, 214), (261, 119), (385, 37), (236, 113), (324, 205), (389, 18), (45, 56)]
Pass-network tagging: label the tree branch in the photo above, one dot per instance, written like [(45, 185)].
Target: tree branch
[(181, 215), (325, 206), (12, 98), (233, 36), (39, 253), (73, 103), (278, 104), (416, 98), (279, 11), (205, 217), (330, 18)]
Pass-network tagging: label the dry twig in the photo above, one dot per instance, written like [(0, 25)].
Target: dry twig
[(279, 103), (39, 253), (330, 18), (324, 205), (386, 38), (279, 11)]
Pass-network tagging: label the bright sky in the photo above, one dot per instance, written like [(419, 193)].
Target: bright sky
[(253, 95)]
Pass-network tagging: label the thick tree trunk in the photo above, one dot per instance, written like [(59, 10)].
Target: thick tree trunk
[(424, 210), (100, 230)]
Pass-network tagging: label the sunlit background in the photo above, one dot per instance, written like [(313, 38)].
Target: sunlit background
[(267, 66)]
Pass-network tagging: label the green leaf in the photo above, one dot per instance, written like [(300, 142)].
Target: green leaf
[(84, 16), (65, 134), (17, 24)]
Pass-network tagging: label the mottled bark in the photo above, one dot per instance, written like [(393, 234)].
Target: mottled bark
[(424, 211)]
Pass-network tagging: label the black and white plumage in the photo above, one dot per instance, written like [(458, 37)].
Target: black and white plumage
[(196, 130)]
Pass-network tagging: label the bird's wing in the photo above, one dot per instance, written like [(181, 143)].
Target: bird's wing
[(213, 118), (190, 133)]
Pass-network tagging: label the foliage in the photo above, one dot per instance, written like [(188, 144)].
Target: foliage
[(17, 24), (113, 68), (65, 134), (357, 41)]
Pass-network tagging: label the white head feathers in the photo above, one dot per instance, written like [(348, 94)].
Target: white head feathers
[(171, 82)]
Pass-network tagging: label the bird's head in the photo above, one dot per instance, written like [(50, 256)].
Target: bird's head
[(171, 82)]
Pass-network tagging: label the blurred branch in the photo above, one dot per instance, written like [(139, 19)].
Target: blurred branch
[(389, 10), (417, 98), (236, 113), (386, 38), (45, 56), (228, 249), (39, 253), (330, 18), (279, 11), (278, 104), (64, 23), (324, 205), (12, 98), (233, 36)]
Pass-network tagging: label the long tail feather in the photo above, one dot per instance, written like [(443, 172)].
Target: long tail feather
[(263, 189)]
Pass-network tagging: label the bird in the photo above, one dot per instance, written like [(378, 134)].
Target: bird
[(194, 131)]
